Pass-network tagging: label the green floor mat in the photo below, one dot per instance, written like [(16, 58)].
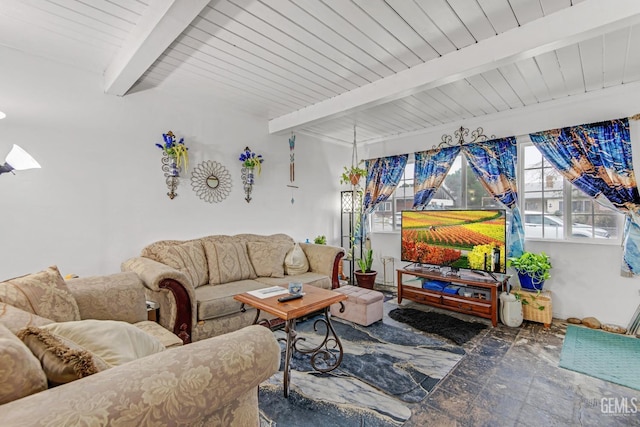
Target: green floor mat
[(601, 354)]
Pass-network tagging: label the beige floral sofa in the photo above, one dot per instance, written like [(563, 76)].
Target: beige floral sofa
[(212, 382), (194, 281)]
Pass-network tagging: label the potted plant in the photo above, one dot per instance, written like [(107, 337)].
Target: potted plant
[(352, 175), (320, 240), (533, 269), (365, 276)]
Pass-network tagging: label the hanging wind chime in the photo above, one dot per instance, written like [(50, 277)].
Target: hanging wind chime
[(292, 165)]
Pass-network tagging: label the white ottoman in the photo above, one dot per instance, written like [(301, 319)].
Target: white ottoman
[(363, 306)]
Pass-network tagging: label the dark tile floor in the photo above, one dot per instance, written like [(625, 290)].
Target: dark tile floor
[(510, 377)]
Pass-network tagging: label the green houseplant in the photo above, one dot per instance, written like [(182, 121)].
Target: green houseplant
[(533, 269), (320, 240), (365, 276), (352, 175)]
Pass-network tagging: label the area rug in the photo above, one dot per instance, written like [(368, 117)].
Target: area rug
[(451, 328), (384, 370), (601, 354)]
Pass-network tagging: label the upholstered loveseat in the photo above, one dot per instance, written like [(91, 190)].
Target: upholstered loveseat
[(194, 281), (212, 382)]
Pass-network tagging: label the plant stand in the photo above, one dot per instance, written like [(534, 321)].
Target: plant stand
[(536, 307)]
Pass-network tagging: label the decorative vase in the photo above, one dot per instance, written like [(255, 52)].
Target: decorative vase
[(174, 170), (530, 283), (171, 174), (366, 280), (248, 178)]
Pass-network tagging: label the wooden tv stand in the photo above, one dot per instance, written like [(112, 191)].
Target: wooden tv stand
[(477, 306)]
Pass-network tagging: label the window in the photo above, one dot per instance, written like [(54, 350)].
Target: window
[(460, 190), (388, 219), (552, 208), (556, 210)]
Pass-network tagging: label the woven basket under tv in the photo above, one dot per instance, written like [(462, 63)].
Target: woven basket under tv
[(532, 309)]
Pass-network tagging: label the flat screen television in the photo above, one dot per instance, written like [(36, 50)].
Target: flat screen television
[(460, 239)]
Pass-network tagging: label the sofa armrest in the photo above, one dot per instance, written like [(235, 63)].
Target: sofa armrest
[(117, 296), (160, 278), (210, 382), (324, 259), (153, 272)]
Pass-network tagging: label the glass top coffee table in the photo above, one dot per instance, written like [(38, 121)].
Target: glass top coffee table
[(323, 359)]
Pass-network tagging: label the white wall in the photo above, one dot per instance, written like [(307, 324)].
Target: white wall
[(101, 196), (586, 278)]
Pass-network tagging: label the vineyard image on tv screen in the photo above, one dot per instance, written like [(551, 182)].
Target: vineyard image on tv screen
[(466, 239)]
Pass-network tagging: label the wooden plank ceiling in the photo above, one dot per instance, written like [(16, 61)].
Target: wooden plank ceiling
[(319, 67)]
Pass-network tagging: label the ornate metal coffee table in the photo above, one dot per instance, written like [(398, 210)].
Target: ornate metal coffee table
[(315, 299)]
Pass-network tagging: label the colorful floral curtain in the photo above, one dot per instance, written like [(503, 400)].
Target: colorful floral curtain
[(494, 164), (383, 176), (431, 169), (596, 158)]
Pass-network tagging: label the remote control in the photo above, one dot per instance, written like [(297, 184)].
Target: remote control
[(289, 297)]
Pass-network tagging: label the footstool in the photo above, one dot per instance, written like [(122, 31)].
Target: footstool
[(363, 306)]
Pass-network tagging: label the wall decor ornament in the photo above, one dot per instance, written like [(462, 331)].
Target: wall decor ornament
[(251, 162), (292, 165), (476, 136), (175, 159), (211, 181)]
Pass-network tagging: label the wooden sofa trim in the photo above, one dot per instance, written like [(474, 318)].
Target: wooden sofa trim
[(183, 325), (335, 279)]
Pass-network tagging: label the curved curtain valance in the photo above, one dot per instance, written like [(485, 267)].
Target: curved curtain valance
[(596, 158)]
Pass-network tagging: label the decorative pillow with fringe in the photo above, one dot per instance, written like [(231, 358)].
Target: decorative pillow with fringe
[(62, 360), (72, 350)]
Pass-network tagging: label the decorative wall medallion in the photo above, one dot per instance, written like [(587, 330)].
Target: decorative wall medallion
[(211, 181)]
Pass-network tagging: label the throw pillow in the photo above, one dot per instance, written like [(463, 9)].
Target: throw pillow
[(267, 258), (189, 258), (15, 319), (21, 373), (62, 361), (113, 341), (296, 261), (45, 294), (228, 262), (73, 350)]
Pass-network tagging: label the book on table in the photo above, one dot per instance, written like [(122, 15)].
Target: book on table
[(269, 292)]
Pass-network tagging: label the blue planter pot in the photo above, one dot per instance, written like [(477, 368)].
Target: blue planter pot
[(528, 282)]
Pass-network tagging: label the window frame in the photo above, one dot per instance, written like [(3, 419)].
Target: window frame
[(566, 205)]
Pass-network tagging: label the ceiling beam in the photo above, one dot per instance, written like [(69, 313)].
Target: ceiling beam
[(161, 24), (568, 26)]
